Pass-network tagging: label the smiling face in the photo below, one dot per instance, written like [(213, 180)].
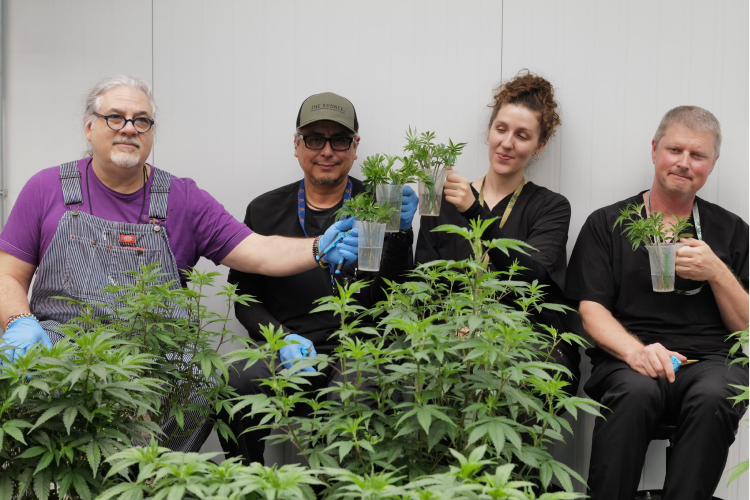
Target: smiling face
[(513, 138), (124, 148), (683, 159), (325, 167)]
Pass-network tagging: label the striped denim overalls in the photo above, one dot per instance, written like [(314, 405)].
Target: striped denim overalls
[(86, 254)]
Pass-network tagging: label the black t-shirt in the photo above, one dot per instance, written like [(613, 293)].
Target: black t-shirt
[(540, 218), (287, 301), (604, 269)]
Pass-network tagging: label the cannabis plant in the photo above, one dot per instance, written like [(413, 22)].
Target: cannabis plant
[(741, 340), (409, 172), (447, 388), (431, 159), (650, 230), (379, 170), (173, 475), (428, 155), (172, 324), (363, 207), (66, 409)]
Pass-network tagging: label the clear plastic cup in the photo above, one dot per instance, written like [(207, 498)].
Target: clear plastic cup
[(661, 258), (371, 236), (431, 197), (391, 195)]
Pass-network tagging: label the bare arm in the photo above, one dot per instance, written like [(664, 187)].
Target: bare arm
[(698, 262), (272, 255), (652, 360), (15, 279)]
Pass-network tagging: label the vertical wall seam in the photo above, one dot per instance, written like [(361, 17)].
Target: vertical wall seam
[(153, 80), (2, 119)]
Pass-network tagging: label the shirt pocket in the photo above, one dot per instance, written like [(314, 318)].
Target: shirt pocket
[(87, 264)]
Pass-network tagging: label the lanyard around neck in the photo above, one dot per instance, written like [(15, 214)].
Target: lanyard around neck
[(301, 214), (696, 215), (301, 201), (511, 203), (508, 209)]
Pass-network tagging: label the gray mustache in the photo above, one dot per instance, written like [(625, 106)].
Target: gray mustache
[(134, 142)]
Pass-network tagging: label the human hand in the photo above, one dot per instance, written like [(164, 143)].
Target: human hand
[(655, 361), (299, 347), (698, 262), (409, 204), (458, 192), (345, 250), (22, 334)]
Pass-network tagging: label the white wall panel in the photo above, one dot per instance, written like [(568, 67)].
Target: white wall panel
[(53, 52), (229, 76)]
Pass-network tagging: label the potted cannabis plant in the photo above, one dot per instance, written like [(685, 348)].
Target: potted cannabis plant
[(661, 241), (371, 220), (388, 182), (431, 159)]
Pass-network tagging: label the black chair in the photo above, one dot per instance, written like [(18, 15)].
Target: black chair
[(665, 431)]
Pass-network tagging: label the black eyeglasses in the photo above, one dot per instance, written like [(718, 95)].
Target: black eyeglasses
[(317, 142), (118, 122)]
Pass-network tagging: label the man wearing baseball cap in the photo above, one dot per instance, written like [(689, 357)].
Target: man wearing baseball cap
[(325, 144)]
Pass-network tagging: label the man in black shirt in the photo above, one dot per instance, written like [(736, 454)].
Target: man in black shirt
[(325, 143), (637, 330)]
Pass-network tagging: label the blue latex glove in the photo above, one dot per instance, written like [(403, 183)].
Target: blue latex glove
[(409, 204), (346, 250), (22, 334), (290, 352)]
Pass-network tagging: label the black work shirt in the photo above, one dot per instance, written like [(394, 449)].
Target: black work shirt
[(605, 269), (540, 218), (286, 302)]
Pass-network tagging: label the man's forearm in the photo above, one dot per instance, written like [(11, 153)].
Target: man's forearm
[(272, 255), (607, 332), (13, 298), (732, 300)]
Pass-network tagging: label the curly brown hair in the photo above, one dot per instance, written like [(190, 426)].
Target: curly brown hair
[(534, 93)]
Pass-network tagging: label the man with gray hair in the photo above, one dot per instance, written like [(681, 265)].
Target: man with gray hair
[(83, 225), (643, 337)]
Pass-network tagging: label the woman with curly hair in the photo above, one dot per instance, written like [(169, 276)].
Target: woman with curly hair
[(524, 117)]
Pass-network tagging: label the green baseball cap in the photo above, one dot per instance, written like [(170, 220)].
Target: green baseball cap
[(328, 106)]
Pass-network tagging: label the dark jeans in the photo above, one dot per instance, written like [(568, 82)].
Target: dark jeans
[(697, 401), (250, 445)]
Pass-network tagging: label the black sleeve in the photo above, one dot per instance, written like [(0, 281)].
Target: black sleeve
[(255, 314), (426, 246), (397, 260), (740, 252), (590, 274), (535, 270)]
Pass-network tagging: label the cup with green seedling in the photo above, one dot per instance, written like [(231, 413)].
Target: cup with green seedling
[(371, 220), (387, 182), (660, 239), (431, 160)]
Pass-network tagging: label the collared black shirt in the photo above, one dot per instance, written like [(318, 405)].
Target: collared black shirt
[(605, 269), (287, 301), (540, 218)]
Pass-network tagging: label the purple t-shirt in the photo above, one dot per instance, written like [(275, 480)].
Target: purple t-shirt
[(197, 225)]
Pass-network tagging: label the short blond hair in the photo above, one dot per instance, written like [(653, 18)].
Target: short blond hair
[(692, 117)]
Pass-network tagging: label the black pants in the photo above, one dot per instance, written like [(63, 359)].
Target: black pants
[(250, 446), (697, 401)]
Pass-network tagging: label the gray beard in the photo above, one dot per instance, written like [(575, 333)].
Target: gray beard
[(326, 182), (125, 160)]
